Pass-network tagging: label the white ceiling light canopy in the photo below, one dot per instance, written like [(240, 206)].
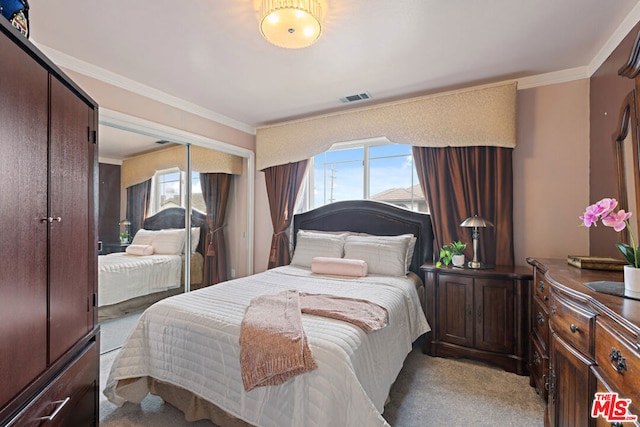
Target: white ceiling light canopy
[(291, 24)]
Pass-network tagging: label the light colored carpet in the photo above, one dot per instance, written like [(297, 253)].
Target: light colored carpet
[(430, 391), (113, 332)]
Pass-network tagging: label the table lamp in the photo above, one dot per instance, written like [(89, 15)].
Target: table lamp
[(475, 222)]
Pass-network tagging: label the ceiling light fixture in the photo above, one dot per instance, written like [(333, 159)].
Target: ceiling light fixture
[(291, 24)]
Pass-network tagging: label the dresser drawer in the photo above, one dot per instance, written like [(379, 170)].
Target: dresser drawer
[(539, 367), (541, 286), (617, 361), (541, 322), (602, 386), (70, 399), (573, 322)]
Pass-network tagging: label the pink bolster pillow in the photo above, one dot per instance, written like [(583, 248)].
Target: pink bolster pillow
[(139, 250), (339, 266)]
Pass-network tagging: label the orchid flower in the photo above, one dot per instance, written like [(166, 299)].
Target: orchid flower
[(616, 220)]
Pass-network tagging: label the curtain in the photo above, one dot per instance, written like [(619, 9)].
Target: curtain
[(283, 185), (138, 197), (215, 191), (460, 182)]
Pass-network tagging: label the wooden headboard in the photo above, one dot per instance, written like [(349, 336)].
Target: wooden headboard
[(174, 218), (368, 216)]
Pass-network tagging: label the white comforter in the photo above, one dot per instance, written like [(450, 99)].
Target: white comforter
[(122, 277), (191, 341)]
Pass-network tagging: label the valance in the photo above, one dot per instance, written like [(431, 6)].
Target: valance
[(204, 160), (481, 116)]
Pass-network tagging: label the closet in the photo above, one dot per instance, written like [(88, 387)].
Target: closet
[(49, 364)]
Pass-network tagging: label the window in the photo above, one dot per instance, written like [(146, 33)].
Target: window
[(169, 190), (376, 170)]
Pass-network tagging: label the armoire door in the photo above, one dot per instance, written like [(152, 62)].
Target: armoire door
[(70, 250), (23, 202)]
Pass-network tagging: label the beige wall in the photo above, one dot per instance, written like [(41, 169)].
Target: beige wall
[(120, 100), (551, 171)]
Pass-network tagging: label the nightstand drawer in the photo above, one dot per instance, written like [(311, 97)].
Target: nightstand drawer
[(573, 322)]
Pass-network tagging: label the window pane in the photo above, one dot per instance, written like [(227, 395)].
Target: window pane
[(338, 181), (389, 150), (393, 180), (344, 155), (169, 190)]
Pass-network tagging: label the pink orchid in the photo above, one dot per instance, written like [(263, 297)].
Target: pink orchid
[(617, 220)]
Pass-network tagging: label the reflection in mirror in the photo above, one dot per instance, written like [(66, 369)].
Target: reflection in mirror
[(626, 150)]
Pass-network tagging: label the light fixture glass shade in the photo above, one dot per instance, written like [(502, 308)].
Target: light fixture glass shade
[(291, 24)]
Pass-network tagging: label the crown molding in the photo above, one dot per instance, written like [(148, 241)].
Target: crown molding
[(71, 63), (562, 76), (618, 35)]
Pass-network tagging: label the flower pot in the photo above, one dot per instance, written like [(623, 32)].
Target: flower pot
[(457, 260), (631, 278)]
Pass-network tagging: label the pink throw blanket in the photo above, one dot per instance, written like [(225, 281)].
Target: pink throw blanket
[(273, 345)]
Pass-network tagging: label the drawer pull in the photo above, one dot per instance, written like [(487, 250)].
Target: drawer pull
[(616, 424), (541, 286), (553, 309), (618, 361), (536, 358), (60, 404), (573, 328), (540, 318), (546, 298)]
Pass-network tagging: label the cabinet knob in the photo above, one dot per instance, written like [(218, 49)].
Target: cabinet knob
[(573, 328), (541, 286), (540, 318), (536, 358)]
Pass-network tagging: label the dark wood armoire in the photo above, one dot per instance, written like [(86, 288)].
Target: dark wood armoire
[(49, 338)]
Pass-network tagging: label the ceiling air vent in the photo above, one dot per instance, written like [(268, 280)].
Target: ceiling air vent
[(357, 97)]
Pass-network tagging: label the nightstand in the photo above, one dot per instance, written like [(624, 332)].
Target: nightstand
[(479, 314)]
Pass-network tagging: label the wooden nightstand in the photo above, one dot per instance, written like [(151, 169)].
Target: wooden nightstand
[(479, 314)]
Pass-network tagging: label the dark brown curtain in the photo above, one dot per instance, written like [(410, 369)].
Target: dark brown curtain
[(215, 191), (138, 197), (460, 182), (283, 185)]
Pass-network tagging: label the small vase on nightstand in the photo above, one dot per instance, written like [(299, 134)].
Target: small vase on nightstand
[(631, 278)]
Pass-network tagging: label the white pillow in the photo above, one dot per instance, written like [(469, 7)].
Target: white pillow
[(168, 242), (195, 238), (385, 255), (310, 245), (143, 237)]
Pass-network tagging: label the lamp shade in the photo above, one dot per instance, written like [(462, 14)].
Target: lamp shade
[(291, 24), (476, 221)]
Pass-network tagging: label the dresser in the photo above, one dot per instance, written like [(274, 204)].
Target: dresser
[(582, 342), (479, 314), (49, 361)]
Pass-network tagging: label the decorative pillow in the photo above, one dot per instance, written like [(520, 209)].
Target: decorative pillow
[(143, 237), (410, 249), (168, 242), (139, 250), (385, 255), (310, 245), (339, 266)]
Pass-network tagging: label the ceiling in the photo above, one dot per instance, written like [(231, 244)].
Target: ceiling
[(209, 54)]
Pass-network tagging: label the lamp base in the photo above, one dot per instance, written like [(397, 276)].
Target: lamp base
[(477, 265)]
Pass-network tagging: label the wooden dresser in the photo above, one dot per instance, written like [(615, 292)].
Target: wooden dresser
[(479, 314), (49, 358), (582, 342)]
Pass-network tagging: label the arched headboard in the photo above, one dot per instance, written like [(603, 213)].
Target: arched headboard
[(174, 218), (368, 216)]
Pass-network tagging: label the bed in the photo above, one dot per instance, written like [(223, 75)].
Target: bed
[(130, 283), (186, 348)]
